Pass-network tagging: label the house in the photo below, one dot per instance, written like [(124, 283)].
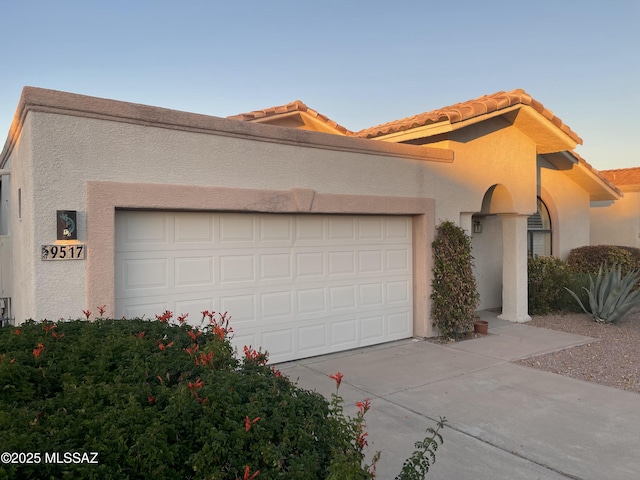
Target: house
[(618, 223), (313, 237)]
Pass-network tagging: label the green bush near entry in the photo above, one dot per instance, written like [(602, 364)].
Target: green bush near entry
[(455, 295), (547, 278), (588, 259)]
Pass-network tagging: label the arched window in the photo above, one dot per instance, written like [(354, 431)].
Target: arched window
[(539, 232)]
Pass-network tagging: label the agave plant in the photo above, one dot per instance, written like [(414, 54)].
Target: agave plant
[(612, 295)]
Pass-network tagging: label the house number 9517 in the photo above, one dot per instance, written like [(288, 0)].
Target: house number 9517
[(63, 252)]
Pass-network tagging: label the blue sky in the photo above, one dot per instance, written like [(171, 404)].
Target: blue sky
[(361, 63)]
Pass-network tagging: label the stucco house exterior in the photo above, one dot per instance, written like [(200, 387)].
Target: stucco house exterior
[(313, 237), (618, 223)]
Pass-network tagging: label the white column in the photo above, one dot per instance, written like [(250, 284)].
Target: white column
[(514, 268)]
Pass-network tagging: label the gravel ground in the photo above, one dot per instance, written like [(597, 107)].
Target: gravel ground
[(613, 359)]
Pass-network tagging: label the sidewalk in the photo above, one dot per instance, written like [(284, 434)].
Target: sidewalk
[(505, 421)]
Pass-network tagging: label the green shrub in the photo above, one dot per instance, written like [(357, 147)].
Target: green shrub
[(455, 295), (611, 295), (578, 283), (547, 277), (156, 400), (167, 401), (588, 259)]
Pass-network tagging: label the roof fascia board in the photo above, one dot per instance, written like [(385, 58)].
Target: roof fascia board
[(63, 103)]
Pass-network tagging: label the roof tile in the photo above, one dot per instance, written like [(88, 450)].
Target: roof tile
[(295, 106), (466, 110), (623, 176)]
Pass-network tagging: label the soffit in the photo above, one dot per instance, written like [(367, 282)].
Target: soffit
[(582, 173)]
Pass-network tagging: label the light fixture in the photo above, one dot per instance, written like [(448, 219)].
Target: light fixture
[(477, 226)]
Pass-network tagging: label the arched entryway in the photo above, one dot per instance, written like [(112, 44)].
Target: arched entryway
[(499, 239)]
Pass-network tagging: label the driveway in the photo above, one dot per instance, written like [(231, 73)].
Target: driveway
[(505, 421)]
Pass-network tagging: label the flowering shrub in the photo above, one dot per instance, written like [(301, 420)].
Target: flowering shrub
[(160, 399), (166, 400)]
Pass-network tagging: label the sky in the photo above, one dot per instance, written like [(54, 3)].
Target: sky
[(360, 63)]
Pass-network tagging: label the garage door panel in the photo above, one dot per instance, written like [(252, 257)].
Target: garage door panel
[(237, 228), (276, 230), (145, 273), (276, 266), (397, 228), (342, 263), (192, 271), (241, 307), (142, 229), (295, 285), (313, 339), (194, 228), (276, 305), (398, 324), (237, 268), (398, 260), (344, 334), (341, 230), (310, 264), (371, 229), (279, 343)]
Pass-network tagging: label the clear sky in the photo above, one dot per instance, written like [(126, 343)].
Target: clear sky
[(360, 63)]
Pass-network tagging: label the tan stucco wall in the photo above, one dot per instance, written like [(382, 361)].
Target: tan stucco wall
[(568, 206), (184, 161), (59, 155), (617, 223)]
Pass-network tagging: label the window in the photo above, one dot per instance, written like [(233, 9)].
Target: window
[(539, 232)]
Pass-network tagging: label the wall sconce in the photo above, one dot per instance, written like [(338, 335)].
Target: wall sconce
[(477, 226)]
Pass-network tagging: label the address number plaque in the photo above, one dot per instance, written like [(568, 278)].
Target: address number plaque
[(64, 252)]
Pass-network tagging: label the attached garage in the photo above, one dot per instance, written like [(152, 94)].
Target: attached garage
[(296, 285)]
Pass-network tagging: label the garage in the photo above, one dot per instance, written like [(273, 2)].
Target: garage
[(296, 285)]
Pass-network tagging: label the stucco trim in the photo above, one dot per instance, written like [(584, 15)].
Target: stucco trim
[(63, 103), (104, 198)]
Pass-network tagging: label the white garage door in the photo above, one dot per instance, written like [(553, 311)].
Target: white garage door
[(295, 285)]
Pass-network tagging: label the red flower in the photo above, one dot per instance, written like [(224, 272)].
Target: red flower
[(248, 423), (361, 442), (16, 331), (102, 309), (165, 317), (193, 335), (205, 359), (162, 346), (183, 318), (363, 407), (151, 399), (47, 327), (247, 473), (193, 386), (192, 349), (139, 335), (57, 336), (87, 313), (37, 351), (337, 377), (256, 356), (277, 373)]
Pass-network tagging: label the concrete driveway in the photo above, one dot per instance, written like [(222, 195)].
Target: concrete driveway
[(505, 421)]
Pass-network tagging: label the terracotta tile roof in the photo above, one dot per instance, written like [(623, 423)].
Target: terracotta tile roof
[(466, 110), (295, 106), (623, 176)]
